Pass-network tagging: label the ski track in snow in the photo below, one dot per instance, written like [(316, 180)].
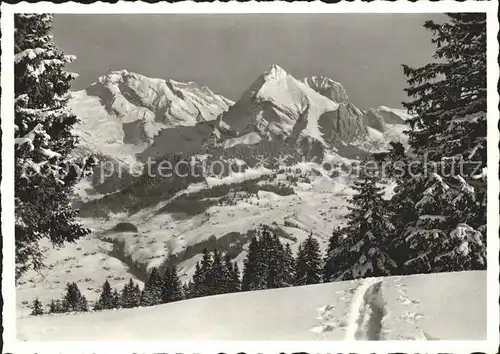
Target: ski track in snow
[(366, 312)]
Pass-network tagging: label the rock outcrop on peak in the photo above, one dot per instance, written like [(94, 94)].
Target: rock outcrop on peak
[(328, 88)]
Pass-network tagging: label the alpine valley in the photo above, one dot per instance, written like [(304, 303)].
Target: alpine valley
[(299, 128)]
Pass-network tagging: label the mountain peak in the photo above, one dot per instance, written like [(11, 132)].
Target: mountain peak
[(275, 72)]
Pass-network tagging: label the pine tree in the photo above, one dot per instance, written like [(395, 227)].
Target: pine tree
[(152, 293), (333, 259), (116, 299), (438, 241), (172, 287), (83, 304), (125, 296), (130, 295), (231, 275), (271, 259), (187, 289), (105, 301), (218, 275), (136, 296), (450, 95), (73, 299), (308, 265), (206, 287), (250, 275), (196, 289), (44, 171), (367, 249), (52, 307), (235, 280), (37, 308), (55, 307), (439, 217), (288, 270)]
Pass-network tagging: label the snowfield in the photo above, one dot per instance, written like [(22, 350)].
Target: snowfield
[(445, 306)]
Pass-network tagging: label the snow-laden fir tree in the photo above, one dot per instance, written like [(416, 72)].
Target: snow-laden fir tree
[(37, 308), (450, 94), (172, 287), (440, 218), (105, 301), (438, 241), (152, 292), (366, 249), (335, 256), (308, 263), (44, 171)]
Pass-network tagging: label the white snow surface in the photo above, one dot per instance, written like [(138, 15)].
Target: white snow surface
[(443, 306), (247, 139)]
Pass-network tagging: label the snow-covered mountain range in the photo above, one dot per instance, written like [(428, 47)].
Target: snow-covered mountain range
[(127, 118)]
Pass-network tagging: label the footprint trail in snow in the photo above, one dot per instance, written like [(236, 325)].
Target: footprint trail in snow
[(329, 321), (366, 313)]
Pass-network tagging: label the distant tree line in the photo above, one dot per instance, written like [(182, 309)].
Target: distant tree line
[(269, 264)]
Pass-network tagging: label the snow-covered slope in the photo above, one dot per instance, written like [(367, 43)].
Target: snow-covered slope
[(445, 306)]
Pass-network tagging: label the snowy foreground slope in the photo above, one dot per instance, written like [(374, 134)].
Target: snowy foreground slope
[(446, 306)]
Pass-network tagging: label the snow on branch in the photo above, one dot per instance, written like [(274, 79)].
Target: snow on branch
[(29, 137), (28, 53)]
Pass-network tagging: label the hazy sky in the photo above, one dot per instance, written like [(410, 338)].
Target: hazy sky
[(228, 52)]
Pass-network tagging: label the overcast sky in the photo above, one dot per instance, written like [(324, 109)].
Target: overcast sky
[(228, 52)]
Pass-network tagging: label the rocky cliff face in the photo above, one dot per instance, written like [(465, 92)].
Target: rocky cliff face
[(328, 88)]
